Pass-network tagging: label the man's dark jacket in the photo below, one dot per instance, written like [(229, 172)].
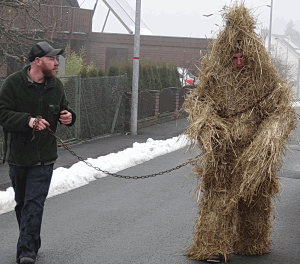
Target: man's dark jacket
[(19, 101)]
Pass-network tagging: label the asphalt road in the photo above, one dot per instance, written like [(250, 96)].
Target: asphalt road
[(148, 221)]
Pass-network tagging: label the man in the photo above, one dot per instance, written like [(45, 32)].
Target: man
[(238, 61), (29, 148)]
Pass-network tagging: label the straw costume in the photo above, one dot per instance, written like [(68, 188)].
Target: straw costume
[(241, 118)]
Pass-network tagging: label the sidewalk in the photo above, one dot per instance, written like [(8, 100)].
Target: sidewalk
[(104, 146)]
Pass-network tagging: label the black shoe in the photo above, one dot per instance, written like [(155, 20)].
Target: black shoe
[(215, 258), (26, 260)]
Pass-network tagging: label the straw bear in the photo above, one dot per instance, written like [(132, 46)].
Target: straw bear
[(240, 116)]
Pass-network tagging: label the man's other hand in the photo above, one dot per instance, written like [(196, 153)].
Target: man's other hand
[(65, 117)]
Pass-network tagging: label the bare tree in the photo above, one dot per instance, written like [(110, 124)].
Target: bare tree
[(290, 30), (285, 68), (19, 26)]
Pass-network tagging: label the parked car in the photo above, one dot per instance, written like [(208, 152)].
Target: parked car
[(186, 78)]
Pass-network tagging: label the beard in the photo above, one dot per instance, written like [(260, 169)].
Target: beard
[(48, 73)]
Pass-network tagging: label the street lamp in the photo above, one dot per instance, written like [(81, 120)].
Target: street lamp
[(135, 75), (270, 27)]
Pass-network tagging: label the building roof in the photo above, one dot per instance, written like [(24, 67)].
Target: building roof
[(292, 42), (72, 3)]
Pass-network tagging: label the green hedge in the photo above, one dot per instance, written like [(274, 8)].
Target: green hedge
[(152, 76)]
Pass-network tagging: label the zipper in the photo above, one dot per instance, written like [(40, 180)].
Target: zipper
[(40, 114), (40, 108)]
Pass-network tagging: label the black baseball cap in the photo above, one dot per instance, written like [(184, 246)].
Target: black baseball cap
[(42, 49)]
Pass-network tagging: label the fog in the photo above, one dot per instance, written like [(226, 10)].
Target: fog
[(185, 18)]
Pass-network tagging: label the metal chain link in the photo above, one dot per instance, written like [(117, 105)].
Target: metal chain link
[(36, 120), (107, 172)]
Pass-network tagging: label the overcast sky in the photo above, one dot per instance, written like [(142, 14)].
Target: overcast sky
[(184, 18)]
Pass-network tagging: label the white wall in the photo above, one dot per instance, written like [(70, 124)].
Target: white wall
[(280, 51)]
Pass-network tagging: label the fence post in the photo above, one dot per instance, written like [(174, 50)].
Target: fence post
[(175, 91), (127, 111), (116, 114), (77, 110), (155, 94)]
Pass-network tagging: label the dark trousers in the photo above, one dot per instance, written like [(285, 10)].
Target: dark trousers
[(31, 185)]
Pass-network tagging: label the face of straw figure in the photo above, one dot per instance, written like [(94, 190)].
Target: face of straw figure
[(238, 61)]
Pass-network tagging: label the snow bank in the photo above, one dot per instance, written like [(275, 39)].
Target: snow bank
[(80, 174)]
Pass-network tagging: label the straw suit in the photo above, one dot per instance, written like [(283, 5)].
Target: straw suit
[(240, 118)]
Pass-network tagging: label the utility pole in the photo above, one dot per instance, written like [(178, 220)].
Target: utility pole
[(298, 79), (270, 27), (135, 76)]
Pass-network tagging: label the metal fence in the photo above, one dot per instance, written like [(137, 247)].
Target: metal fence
[(102, 106), (166, 101), (99, 104), (146, 104)]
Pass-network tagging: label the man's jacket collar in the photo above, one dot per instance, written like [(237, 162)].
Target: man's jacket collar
[(49, 82)]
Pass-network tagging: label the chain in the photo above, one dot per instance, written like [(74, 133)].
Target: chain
[(35, 122), (107, 172)]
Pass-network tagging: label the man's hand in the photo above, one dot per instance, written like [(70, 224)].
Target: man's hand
[(65, 117), (39, 125)]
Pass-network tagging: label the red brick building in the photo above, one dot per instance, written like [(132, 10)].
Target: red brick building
[(64, 22), (107, 47), (59, 21)]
